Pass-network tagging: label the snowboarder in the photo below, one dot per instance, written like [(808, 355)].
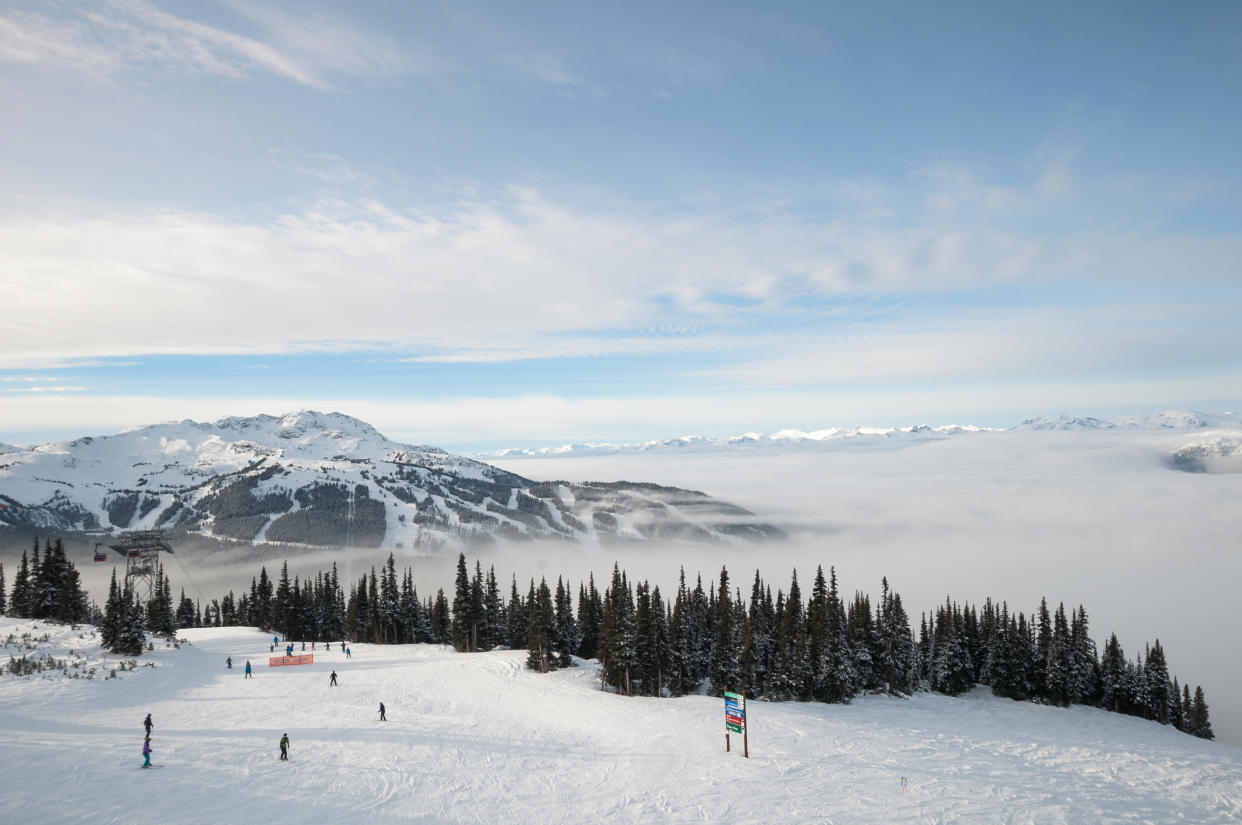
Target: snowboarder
[(248, 676), (146, 751), (284, 748), (229, 662), (383, 718), (146, 723), (332, 679)]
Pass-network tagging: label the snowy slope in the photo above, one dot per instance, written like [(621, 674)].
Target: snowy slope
[(331, 480), (478, 739)]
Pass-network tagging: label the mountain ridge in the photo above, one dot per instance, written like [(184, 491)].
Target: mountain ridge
[(328, 479)]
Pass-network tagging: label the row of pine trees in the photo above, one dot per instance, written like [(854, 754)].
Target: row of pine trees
[(824, 648)]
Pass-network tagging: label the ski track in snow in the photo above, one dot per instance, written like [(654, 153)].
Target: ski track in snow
[(479, 739)]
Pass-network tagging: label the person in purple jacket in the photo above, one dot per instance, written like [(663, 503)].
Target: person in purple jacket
[(146, 752)]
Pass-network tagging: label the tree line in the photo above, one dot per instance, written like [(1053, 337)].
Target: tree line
[(825, 647)]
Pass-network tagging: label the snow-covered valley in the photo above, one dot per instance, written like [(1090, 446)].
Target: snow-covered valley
[(476, 738)]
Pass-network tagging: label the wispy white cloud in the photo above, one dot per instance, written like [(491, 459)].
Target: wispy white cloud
[(511, 277), (106, 39), (52, 388)]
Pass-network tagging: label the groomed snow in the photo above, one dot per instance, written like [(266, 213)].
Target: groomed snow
[(478, 739)]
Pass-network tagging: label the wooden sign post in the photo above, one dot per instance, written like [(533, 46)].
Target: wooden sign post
[(735, 720)]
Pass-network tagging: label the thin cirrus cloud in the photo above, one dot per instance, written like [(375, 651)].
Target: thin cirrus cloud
[(109, 38)]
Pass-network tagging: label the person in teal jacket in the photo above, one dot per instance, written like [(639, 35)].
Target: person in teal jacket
[(146, 752)]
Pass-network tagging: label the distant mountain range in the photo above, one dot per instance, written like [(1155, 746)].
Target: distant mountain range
[(841, 436), (317, 479), (1171, 420)]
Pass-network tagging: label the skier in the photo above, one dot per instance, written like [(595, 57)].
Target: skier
[(383, 718), (284, 748), (229, 662), (146, 751), (275, 641), (342, 647), (248, 676), (303, 647), (348, 654), (332, 679), (146, 723)]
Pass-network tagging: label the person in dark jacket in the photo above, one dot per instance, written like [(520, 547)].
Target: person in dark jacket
[(229, 662), (332, 679), (383, 718), (146, 723), (284, 747)]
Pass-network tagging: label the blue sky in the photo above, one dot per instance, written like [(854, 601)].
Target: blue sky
[(496, 224)]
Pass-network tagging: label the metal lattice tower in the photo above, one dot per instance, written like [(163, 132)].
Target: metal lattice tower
[(141, 550)]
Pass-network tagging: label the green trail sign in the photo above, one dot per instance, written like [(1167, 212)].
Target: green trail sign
[(735, 719)]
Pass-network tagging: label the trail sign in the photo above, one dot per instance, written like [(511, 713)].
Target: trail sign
[(735, 719)]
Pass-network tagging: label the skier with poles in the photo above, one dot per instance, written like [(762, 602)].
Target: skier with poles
[(332, 679), (146, 723)]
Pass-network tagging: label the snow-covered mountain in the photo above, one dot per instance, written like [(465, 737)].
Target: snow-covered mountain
[(329, 479), (746, 441), (833, 437), (1170, 420), (7, 448)]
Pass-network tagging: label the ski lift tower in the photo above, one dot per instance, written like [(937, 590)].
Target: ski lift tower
[(141, 550)]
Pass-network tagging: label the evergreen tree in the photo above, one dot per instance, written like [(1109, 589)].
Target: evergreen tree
[(839, 678), (1057, 668), (590, 614), (896, 642), (617, 635), (726, 670), (131, 638), (494, 613), (568, 637), (540, 631), (1198, 723), (441, 621), (3, 603), (517, 621), (1038, 671), (1159, 689), (114, 616), (461, 607), (1177, 717)]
